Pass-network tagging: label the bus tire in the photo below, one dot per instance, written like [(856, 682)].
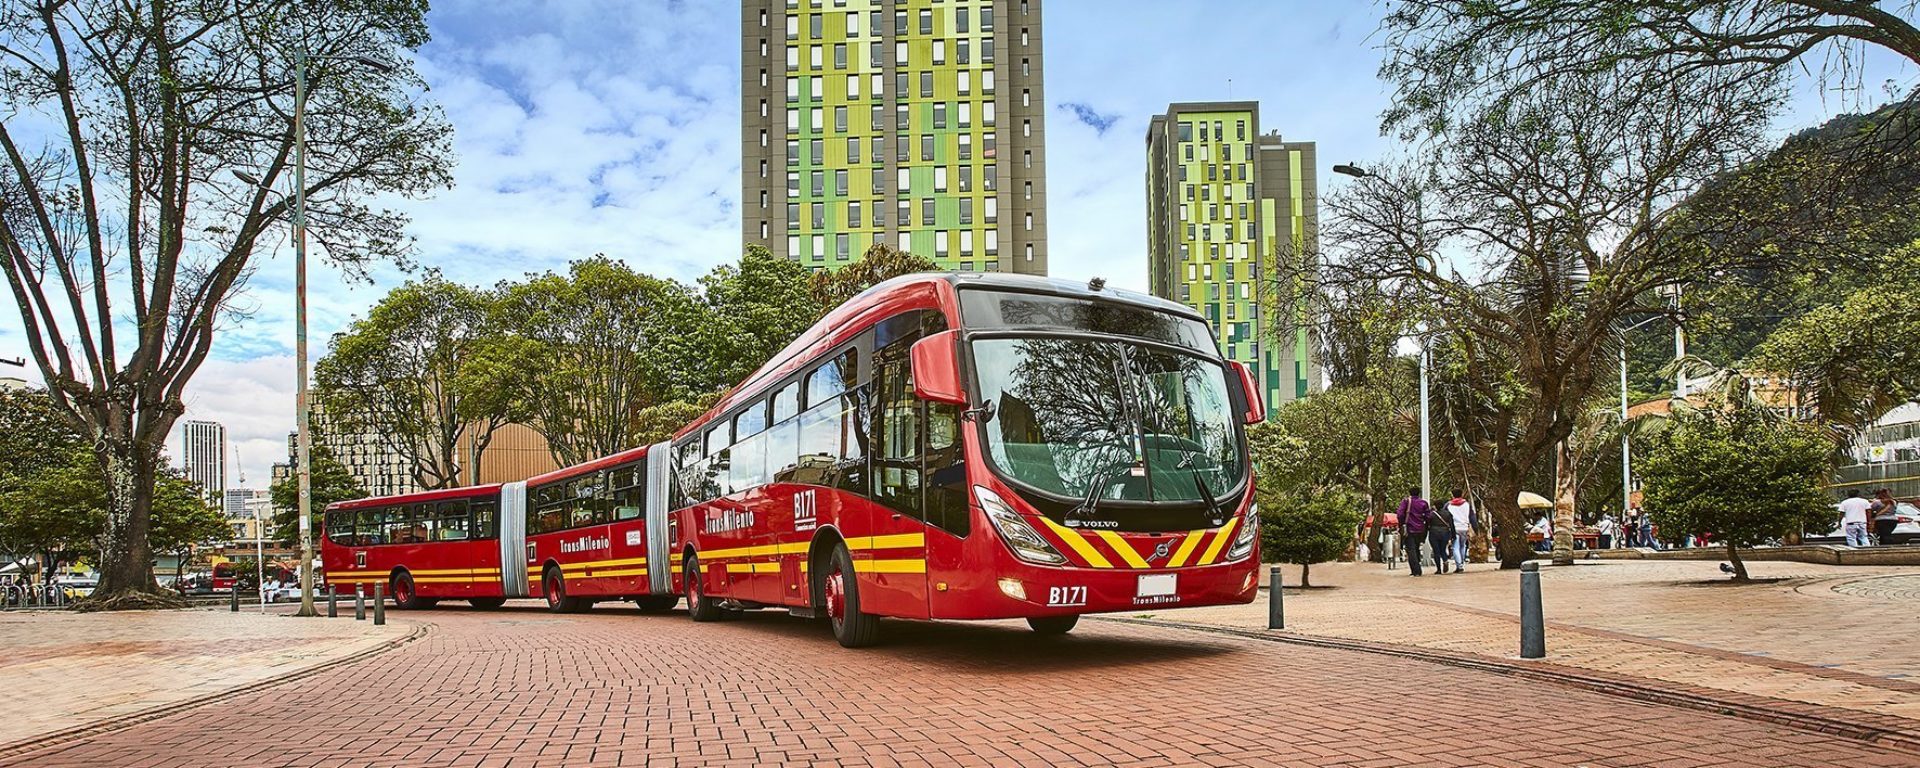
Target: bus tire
[(405, 596), (486, 603), (841, 591), (656, 603), (699, 606), (554, 586), (1052, 625)]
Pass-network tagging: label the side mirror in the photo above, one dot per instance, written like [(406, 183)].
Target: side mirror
[(936, 369), (1256, 409)]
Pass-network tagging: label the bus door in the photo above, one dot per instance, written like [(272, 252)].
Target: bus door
[(892, 562)]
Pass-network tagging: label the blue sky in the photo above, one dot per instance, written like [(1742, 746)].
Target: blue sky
[(612, 127)]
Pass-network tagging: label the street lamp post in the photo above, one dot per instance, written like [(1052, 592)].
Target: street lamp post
[(304, 439), (1626, 447), (1426, 415)]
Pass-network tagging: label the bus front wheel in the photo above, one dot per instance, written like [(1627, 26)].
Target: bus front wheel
[(405, 596), (699, 606), (841, 592), (1053, 625), (555, 588)]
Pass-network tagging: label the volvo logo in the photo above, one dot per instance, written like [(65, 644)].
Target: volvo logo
[(1161, 551)]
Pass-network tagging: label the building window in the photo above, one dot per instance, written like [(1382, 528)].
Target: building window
[(940, 178), (819, 215), (940, 115), (839, 55), (842, 246), (926, 22), (926, 84), (993, 210), (966, 177), (926, 148), (939, 51), (986, 81), (814, 25), (853, 214), (940, 243), (840, 181), (986, 18), (1029, 222), (966, 145), (819, 248), (960, 20), (966, 242), (1029, 251), (966, 210), (1028, 189), (926, 211)]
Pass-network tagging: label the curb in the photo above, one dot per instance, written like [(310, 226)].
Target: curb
[(1800, 716), (62, 738)]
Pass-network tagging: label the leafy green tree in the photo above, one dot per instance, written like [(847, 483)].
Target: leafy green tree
[(1738, 473), (1306, 528), (182, 520), (126, 233), (330, 483), (832, 287), (1358, 441), (57, 514), (402, 374), (1850, 361), (753, 310), (583, 353)]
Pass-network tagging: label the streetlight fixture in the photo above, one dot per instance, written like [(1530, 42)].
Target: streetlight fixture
[(304, 441), (1426, 415), (19, 361)]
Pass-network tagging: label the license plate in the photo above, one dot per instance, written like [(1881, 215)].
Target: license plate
[(1156, 585)]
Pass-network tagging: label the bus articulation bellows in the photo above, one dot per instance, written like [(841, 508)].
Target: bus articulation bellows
[(942, 446)]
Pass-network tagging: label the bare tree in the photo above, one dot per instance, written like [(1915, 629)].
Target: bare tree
[(123, 236)]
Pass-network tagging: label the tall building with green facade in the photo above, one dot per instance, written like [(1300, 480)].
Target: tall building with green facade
[(916, 123), (1223, 202)]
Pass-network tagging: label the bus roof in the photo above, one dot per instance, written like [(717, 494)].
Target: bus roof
[(921, 290), (631, 454), (419, 496)]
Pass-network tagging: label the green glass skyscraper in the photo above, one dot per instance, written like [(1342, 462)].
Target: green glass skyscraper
[(1223, 202), (916, 123)]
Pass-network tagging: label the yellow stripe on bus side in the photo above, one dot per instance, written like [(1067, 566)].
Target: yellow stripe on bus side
[(889, 566), (627, 572), (1121, 546), (894, 541), (1078, 543), (603, 564), (1219, 541), (1186, 548)]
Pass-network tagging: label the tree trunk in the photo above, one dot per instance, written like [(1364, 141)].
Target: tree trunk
[(1739, 567), (1304, 583), (126, 557), (1565, 485), (1509, 521)]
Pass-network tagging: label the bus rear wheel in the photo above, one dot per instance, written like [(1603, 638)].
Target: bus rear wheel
[(555, 588), (1053, 625), (656, 603), (405, 596), (841, 593), (699, 606), (486, 603)]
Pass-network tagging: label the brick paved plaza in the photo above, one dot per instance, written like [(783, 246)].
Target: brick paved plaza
[(613, 687)]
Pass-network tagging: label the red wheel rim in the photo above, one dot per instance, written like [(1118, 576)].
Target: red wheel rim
[(401, 591), (552, 589), (836, 595), (693, 585)]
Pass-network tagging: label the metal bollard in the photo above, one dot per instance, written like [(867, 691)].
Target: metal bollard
[(235, 599), (379, 605), (359, 604), (1533, 625), (1276, 613), (333, 601)]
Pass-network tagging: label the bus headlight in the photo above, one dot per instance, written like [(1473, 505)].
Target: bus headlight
[(1249, 533), (1020, 537)]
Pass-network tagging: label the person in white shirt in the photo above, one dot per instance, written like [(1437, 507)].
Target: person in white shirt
[(1607, 528), (1853, 519), (1460, 512)]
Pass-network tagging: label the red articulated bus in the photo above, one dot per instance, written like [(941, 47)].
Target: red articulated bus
[(949, 446), (574, 536)]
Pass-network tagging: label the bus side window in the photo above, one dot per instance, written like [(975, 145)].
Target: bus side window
[(484, 525), (896, 467), (452, 520), (368, 529), (945, 467)]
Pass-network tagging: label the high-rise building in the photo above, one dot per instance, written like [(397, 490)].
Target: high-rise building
[(1224, 201), (237, 499), (916, 123), (203, 452)]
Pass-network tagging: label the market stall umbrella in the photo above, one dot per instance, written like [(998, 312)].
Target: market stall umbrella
[(1530, 500)]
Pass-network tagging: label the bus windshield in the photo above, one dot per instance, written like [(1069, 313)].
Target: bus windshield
[(1096, 419)]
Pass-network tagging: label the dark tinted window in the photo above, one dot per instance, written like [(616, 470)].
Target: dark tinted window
[(486, 519), (989, 310)]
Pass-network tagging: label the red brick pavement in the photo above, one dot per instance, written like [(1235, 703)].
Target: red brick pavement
[(518, 687)]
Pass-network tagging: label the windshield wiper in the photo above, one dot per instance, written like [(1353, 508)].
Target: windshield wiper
[(1214, 515), (1091, 503)]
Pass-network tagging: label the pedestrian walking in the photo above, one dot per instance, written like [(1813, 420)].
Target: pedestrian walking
[(1886, 517), (1414, 512), (1440, 538), (1544, 527), (1853, 518), (1607, 527), (1460, 519)]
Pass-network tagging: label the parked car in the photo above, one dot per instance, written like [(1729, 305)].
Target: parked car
[(200, 583), (1906, 532), (76, 587)]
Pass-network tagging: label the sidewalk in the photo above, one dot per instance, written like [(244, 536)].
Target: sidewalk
[(71, 670), (1846, 638)]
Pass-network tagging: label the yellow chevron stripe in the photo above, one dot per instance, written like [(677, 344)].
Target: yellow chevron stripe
[(1124, 549), (1078, 543), (1187, 546), (1219, 541), (889, 566)]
